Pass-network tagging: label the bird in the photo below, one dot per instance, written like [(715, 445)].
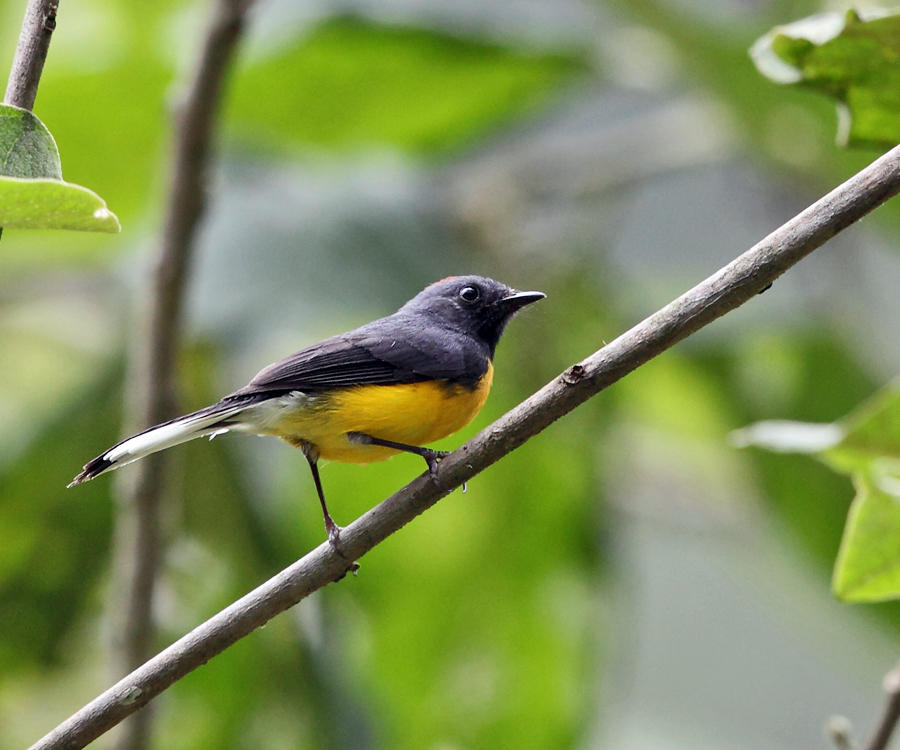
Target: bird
[(392, 385)]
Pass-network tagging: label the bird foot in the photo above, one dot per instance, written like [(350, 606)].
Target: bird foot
[(433, 459)]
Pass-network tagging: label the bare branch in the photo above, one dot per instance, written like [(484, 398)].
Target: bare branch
[(31, 52), (891, 713), (138, 525), (725, 290)]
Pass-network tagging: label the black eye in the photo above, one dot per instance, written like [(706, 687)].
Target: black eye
[(470, 293)]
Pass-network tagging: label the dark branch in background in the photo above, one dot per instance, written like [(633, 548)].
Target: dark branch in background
[(31, 52), (890, 714), (736, 283), (138, 542)]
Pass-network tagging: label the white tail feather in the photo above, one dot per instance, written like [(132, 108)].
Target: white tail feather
[(198, 424)]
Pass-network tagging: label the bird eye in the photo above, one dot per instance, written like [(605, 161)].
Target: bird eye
[(469, 293)]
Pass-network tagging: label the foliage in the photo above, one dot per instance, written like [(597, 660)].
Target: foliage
[(851, 57), (865, 445), (32, 192)]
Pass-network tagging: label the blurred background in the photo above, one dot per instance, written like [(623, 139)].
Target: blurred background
[(628, 578)]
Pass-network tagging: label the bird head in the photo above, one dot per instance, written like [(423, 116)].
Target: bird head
[(476, 305)]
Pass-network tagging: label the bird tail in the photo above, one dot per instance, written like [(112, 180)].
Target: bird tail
[(209, 421)]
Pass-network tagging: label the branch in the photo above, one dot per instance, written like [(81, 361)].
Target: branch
[(725, 290), (890, 714), (138, 542), (31, 52)]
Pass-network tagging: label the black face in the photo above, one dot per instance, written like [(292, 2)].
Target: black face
[(475, 304)]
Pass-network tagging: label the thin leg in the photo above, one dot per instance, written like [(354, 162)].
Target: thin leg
[(431, 456), (334, 531)]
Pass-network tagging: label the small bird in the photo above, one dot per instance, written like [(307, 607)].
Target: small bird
[(391, 385)]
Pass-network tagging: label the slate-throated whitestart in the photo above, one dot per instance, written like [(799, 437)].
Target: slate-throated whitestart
[(391, 385)]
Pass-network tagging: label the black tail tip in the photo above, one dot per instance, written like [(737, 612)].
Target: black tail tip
[(91, 469)]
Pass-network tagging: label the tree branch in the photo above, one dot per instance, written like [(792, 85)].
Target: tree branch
[(725, 290), (890, 714), (138, 545), (31, 52)]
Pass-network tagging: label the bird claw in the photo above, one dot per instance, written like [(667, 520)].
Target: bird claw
[(334, 536), (433, 459)]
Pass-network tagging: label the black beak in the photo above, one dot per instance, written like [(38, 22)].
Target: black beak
[(516, 300)]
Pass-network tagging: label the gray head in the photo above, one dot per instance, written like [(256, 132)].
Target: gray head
[(476, 305)]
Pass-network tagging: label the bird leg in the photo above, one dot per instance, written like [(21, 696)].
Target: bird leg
[(431, 456), (334, 531)]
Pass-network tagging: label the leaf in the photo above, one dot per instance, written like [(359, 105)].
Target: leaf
[(785, 436), (868, 564), (866, 445), (52, 204), (868, 433), (871, 431), (33, 194), (26, 147), (851, 57)]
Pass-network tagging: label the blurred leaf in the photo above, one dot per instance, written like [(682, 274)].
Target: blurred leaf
[(352, 84), (27, 149), (32, 193), (868, 564), (851, 57), (785, 436), (871, 432), (866, 445)]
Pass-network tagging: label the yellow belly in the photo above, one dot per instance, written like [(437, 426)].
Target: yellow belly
[(413, 413)]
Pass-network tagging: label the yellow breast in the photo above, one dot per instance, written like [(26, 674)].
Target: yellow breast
[(411, 413)]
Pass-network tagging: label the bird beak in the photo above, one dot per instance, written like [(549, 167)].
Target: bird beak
[(516, 300)]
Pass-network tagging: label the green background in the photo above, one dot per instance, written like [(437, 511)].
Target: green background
[(627, 579)]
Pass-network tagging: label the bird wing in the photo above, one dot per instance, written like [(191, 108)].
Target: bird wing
[(384, 352)]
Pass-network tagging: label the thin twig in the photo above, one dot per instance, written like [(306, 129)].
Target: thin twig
[(736, 283), (31, 52), (890, 714), (138, 542)]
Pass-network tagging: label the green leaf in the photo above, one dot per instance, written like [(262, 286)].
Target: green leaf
[(868, 564), (32, 192), (53, 204), (871, 432), (26, 147), (353, 84), (851, 57), (866, 445)]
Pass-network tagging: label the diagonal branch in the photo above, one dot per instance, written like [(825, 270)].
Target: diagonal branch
[(138, 543), (725, 290)]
